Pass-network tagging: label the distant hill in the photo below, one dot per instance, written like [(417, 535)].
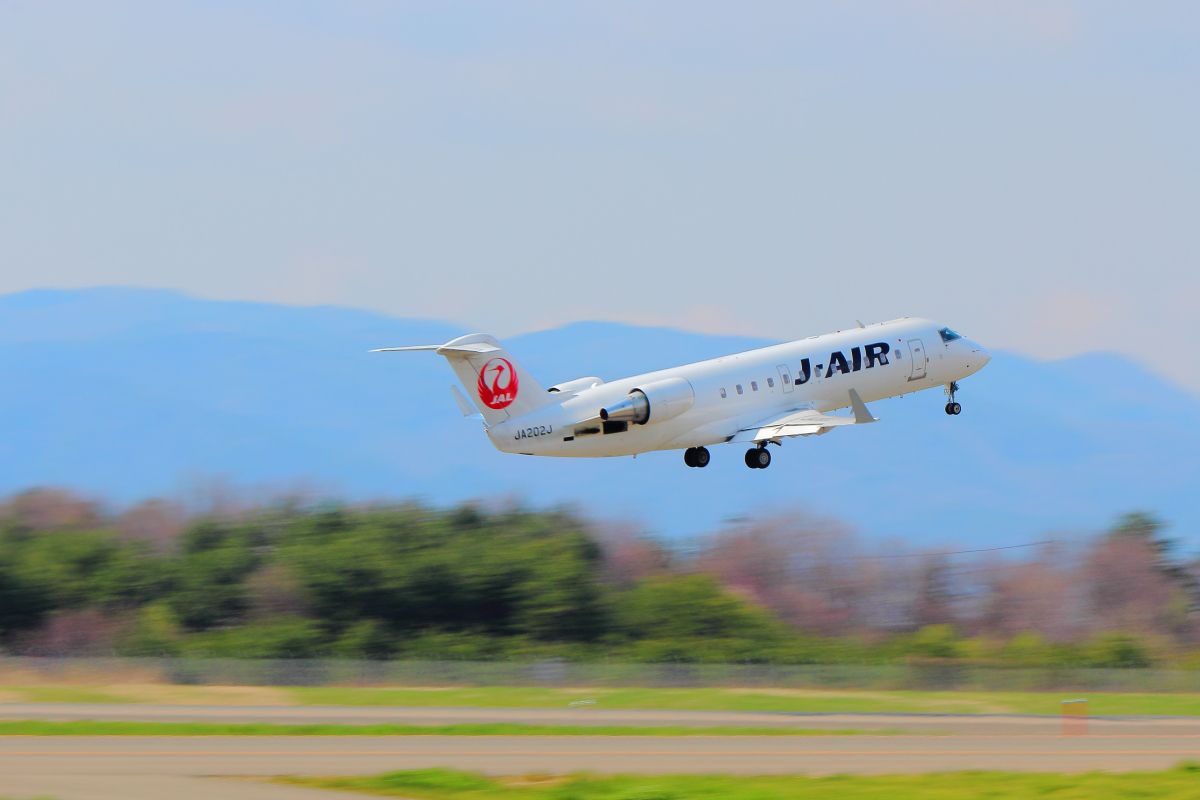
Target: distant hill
[(129, 393)]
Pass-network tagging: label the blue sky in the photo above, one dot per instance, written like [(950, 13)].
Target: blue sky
[(1026, 171)]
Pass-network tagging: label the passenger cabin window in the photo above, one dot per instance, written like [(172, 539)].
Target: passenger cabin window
[(723, 395), (754, 386), (948, 335), (771, 383), (739, 388)]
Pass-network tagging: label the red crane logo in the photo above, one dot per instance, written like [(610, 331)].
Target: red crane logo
[(497, 385)]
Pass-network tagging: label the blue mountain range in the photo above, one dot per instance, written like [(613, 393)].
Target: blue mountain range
[(131, 393)]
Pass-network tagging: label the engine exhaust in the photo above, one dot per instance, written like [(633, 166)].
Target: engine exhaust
[(635, 408)]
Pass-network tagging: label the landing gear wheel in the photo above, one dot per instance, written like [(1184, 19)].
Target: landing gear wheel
[(689, 456), (758, 458), (952, 408), (700, 457)]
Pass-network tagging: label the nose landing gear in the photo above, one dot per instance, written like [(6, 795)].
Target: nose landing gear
[(952, 407), (758, 457), (696, 457)]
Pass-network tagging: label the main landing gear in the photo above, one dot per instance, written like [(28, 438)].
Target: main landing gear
[(696, 457), (952, 408), (758, 457)]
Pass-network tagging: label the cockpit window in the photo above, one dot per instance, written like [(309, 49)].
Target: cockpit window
[(948, 335)]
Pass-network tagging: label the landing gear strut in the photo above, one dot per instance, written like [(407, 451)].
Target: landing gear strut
[(696, 457), (758, 457), (952, 408)]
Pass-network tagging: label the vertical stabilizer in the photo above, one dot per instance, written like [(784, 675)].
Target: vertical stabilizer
[(495, 382)]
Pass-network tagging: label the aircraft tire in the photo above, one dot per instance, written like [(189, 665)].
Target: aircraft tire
[(689, 456), (953, 409), (758, 458), (700, 457)]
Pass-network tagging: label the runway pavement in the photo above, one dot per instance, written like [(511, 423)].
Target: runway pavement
[(183, 768)]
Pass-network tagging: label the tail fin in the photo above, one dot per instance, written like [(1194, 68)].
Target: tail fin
[(496, 383)]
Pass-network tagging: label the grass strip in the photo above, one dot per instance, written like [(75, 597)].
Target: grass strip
[(441, 784), (838, 701), (843, 701), (65, 694), (123, 728)]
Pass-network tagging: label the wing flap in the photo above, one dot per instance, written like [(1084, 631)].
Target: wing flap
[(804, 422)]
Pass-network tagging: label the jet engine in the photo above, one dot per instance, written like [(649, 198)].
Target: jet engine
[(657, 401)]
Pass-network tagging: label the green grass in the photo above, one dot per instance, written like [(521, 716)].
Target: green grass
[(64, 694), (439, 784), (846, 702), (122, 728)]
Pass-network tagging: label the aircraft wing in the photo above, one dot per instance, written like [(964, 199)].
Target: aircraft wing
[(803, 422)]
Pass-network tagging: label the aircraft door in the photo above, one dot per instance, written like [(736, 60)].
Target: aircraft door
[(785, 378), (916, 354)]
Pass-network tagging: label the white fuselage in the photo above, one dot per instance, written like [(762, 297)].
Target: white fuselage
[(737, 391)]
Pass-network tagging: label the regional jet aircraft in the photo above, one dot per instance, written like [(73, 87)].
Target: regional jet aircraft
[(759, 397)]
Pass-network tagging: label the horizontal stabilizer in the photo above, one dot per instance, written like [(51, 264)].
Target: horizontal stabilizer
[(403, 349), (496, 384), (471, 347)]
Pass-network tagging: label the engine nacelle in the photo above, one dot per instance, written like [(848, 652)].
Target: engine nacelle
[(656, 401), (577, 385)]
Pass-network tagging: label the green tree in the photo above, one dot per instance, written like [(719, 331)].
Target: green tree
[(208, 586), (502, 575), (935, 641), (284, 637), (24, 597), (156, 632), (691, 618), (79, 569), (1118, 650)]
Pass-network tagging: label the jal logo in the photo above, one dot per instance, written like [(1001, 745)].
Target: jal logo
[(497, 385)]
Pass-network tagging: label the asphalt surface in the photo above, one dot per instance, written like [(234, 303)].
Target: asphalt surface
[(182, 768)]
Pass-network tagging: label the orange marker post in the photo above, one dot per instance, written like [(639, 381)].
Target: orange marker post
[(1075, 717)]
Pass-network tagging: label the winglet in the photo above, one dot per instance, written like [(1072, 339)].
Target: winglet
[(861, 414)]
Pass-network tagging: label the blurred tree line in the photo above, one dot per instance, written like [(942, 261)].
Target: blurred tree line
[(406, 581)]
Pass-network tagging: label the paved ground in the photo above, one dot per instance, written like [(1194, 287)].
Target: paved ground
[(183, 768)]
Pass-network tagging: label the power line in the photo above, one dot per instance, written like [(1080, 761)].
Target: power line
[(951, 552)]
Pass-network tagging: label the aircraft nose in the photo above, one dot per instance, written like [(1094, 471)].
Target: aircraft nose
[(979, 355)]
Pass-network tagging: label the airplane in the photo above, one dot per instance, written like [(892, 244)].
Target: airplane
[(759, 397)]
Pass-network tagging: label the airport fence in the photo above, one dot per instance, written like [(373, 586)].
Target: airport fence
[(15, 670)]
